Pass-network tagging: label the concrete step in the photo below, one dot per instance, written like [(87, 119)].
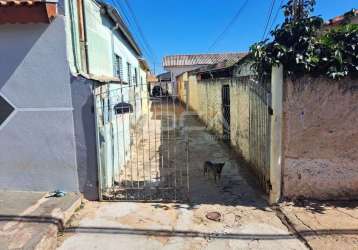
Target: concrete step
[(31, 220)]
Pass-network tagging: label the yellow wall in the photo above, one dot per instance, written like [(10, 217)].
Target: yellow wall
[(205, 100)]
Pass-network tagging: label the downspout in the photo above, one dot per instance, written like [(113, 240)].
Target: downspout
[(83, 36)]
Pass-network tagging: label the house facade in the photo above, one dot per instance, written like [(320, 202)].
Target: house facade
[(178, 64), (55, 55)]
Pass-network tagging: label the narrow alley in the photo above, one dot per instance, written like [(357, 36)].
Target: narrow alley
[(194, 125), (242, 217)]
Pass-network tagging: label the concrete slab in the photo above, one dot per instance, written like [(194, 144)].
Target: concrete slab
[(31, 220), (325, 225), (126, 225)]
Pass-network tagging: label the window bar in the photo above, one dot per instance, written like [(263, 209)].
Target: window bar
[(142, 139), (118, 156), (161, 135), (124, 147), (130, 141), (136, 138), (110, 127), (149, 145), (169, 174), (175, 141), (156, 159)]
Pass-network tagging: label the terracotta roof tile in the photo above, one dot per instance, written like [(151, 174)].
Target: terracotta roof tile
[(27, 11), (23, 2)]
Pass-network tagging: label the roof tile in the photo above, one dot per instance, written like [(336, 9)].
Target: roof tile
[(200, 59)]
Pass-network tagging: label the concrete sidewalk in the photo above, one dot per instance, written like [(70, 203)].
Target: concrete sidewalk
[(31, 220), (332, 225), (152, 226)]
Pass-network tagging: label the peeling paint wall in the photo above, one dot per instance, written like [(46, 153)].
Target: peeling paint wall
[(240, 115), (320, 139), (205, 100)]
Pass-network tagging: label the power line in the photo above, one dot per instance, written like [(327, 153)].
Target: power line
[(276, 15), (123, 11), (233, 20), (146, 43), (268, 18)]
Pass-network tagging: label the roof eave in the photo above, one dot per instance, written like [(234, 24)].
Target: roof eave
[(114, 15)]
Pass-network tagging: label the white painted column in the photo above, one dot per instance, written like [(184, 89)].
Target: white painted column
[(276, 135)]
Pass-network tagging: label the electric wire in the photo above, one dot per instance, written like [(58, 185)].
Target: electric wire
[(140, 30), (228, 26), (268, 18)]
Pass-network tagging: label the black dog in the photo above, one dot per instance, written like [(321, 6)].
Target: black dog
[(214, 168)]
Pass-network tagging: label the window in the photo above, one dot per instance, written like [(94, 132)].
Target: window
[(135, 76), (118, 66), (129, 73)]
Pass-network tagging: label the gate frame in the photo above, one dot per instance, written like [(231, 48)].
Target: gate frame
[(102, 166)]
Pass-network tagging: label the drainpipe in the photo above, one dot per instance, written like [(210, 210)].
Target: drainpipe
[(83, 36)]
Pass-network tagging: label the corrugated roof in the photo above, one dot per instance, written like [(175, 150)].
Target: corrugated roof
[(166, 76), (200, 59), (218, 66)]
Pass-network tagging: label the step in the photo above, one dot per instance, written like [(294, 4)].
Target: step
[(31, 220)]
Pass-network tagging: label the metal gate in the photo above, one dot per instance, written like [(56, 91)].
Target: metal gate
[(260, 129), (142, 145), (225, 100)]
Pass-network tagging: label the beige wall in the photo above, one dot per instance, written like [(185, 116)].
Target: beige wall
[(205, 100), (239, 111), (320, 139)]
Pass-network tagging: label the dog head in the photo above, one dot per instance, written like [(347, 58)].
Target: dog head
[(219, 168)]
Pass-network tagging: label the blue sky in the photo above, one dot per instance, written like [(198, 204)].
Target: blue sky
[(191, 26)]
